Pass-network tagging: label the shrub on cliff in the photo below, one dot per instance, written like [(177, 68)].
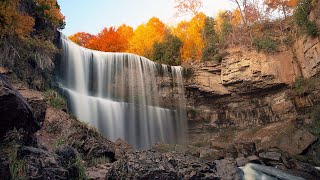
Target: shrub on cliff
[(301, 18), (27, 31), (265, 44)]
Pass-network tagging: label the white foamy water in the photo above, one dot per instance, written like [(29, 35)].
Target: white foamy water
[(118, 93)]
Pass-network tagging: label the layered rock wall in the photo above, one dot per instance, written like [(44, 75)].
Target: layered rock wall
[(251, 89)]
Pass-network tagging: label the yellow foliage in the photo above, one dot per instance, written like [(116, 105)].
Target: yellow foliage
[(219, 21), (145, 36), (236, 17), (126, 33), (190, 33)]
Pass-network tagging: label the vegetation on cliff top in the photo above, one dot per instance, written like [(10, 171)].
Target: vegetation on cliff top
[(263, 25), (27, 31)]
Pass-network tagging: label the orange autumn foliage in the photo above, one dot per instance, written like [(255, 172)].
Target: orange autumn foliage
[(82, 38), (13, 21), (126, 33), (107, 40)]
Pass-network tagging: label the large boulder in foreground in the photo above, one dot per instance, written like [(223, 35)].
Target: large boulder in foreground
[(15, 112), (154, 165)]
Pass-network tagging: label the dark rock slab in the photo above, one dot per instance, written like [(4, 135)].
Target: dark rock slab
[(15, 112), (41, 164)]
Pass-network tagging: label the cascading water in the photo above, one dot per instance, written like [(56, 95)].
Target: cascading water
[(118, 93)]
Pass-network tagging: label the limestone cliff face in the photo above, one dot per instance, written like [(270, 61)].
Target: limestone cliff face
[(250, 89)]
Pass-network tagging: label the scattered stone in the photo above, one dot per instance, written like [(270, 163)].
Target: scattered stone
[(270, 155), (154, 165), (227, 169), (242, 161), (91, 144), (245, 149), (211, 154), (252, 158), (122, 147)]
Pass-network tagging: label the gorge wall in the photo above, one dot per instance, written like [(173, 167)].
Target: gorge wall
[(254, 97)]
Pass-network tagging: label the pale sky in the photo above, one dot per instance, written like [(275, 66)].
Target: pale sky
[(92, 16)]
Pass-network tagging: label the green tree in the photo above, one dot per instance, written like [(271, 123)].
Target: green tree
[(210, 49), (168, 51)]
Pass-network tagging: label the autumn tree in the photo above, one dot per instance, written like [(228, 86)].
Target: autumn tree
[(223, 25), (190, 33), (286, 6), (188, 7), (107, 40), (82, 38), (13, 21), (50, 9), (241, 5), (236, 17), (145, 36), (126, 33), (168, 51)]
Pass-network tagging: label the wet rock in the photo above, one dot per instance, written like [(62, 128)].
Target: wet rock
[(252, 158), (242, 161), (306, 170), (15, 112), (256, 171), (275, 156)]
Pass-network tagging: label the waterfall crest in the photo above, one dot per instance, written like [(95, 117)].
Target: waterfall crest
[(121, 94)]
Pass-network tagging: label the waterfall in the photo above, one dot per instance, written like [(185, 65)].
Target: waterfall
[(121, 95)]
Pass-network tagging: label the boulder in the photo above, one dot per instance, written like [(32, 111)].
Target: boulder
[(90, 143), (242, 161), (42, 164), (245, 149), (227, 169), (15, 112), (275, 156)]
